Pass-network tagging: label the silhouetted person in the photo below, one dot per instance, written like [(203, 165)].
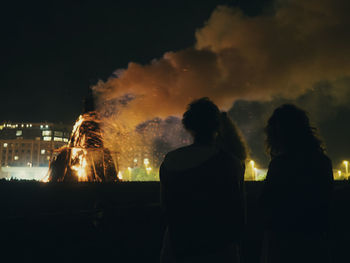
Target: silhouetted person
[(229, 139), (297, 190), (201, 193)]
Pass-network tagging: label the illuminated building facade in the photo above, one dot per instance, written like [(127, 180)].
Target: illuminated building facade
[(30, 144)]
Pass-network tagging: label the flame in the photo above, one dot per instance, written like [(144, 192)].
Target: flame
[(75, 133), (85, 158), (80, 164)]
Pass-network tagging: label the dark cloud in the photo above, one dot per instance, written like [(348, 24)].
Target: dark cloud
[(331, 120)]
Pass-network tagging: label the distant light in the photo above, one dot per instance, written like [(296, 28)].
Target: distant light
[(48, 158), (46, 126), (135, 160), (5, 145), (57, 139), (58, 133), (42, 151), (22, 125), (146, 161), (120, 175), (41, 126), (25, 172), (46, 133), (47, 138), (16, 158), (29, 164), (19, 133)]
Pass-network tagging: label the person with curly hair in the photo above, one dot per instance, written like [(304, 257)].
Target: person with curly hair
[(297, 190)]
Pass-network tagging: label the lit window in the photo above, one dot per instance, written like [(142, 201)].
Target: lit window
[(57, 139), (5, 145), (46, 126), (16, 158), (18, 133), (42, 151), (47, 138), (58, 133), (46, 133), (65, 139)]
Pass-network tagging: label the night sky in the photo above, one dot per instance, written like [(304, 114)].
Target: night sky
[(53, 51)]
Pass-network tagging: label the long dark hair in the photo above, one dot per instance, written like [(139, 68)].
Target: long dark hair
[(289, 131), (230, 139)]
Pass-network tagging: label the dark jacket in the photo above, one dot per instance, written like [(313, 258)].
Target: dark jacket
[(203, 205)]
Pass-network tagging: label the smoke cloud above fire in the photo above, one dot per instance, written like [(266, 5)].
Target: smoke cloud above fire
[(278, 55)]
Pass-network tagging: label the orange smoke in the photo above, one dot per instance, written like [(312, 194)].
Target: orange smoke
[(240, 57)]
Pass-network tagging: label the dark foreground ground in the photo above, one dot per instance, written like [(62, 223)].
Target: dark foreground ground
[(116, 222)]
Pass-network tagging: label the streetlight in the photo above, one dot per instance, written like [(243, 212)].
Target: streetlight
[(252, 163), (120, 175), (339, 173), (346, 163)]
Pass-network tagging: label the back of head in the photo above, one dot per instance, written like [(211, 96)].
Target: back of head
[(288, 130), (202, 119)]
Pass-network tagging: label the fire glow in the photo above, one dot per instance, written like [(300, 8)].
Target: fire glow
[(80, 163), (85, 158)]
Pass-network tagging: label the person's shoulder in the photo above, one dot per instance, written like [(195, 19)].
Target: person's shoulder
[(230, 159), (176, 157), (323, 158), (174, 154), (188, 157), (228, 156)]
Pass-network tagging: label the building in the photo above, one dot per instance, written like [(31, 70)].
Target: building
[(30, 144)]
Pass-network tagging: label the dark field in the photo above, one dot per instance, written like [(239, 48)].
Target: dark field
[(89, 222)]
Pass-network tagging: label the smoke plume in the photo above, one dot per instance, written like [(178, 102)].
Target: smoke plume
[(239, 57)]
